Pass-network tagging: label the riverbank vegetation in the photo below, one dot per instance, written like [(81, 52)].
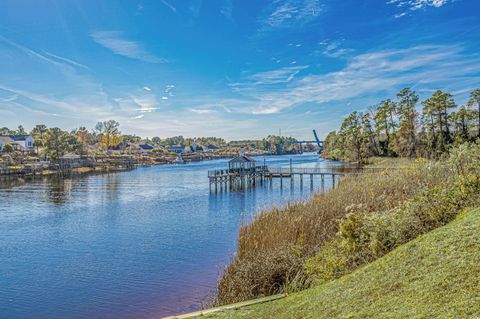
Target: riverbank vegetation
[(434, 276), (432, 173), (403, 127), (49, 148)]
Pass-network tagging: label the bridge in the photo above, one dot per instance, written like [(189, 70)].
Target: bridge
[(316, 141)]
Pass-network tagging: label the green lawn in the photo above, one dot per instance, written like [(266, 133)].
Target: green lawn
[(435, 276)]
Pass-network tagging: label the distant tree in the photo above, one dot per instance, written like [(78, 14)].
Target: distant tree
[(7, 148), (109, 133), (437, 109), (462, 123), (355, 141), (474, 101), (21, 130), (405, 140), (369, 135), (385, 125), (56, 143), (84, 139), (133, 139), (156, 140), (6, 131), (38, 134)]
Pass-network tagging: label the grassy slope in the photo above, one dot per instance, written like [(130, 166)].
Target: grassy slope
[(434, 276)]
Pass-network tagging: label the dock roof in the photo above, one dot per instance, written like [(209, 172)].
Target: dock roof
[(242, 158)]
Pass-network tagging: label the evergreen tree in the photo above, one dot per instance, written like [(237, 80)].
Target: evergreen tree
[(475, 101), (385, 125), (405, 139)]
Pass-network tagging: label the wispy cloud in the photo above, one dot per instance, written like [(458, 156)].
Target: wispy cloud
[(46, 57), (289, 13), (115, 42), (227, 9), (202, 111), (333, 49), (66, 60), (169, 6), (282, 75), (368, 73), (414, 5)]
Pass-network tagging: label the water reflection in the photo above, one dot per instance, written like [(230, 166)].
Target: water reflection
[(144, 243)]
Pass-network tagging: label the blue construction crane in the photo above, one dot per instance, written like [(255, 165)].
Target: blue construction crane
[(317, 141)]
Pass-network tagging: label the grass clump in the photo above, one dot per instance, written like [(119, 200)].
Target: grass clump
[(336, 232), (436, 275)]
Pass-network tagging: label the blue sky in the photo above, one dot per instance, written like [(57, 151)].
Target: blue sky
[(230, 68)]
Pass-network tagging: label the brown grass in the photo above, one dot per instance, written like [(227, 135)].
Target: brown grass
[(264, 263), (274, 247)]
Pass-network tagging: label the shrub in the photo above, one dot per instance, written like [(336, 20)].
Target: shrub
[(365, 236), (335, 232)]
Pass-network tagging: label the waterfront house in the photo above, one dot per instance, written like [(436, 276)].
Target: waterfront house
[(211, 147), (177, 148), (146, 147), (242, 161), (25, 142), (197, 147)]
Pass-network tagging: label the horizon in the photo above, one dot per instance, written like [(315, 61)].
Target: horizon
[(236, 70)]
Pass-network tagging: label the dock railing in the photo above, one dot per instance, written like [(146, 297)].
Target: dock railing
[(238, 171)]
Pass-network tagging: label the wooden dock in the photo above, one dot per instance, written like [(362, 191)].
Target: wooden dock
[(240, 178)]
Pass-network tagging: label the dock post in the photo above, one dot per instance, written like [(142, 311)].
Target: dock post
[(333, 180), (323, 182), (311, 181), (281, 180), (301, 181)]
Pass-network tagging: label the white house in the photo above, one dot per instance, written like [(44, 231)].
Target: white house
[(22, 142)]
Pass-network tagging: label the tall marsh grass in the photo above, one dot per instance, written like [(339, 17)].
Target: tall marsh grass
[(367, 215)]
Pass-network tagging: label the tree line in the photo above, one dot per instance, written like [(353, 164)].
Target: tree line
[(52, 143), (406, 127)]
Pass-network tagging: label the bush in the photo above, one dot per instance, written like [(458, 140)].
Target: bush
[(365, 217), (365, 236)]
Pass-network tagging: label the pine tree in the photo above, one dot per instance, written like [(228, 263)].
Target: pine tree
[(405, 141)]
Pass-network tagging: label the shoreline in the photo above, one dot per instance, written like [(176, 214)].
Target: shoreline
[(29, 172)]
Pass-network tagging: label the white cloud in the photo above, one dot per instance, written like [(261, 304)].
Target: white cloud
[(333, 49), (227, 9), (414, 5), (202, 111), (368, 73), (114, 41), (282, 75), (146, 88), (290, 13), (69, 61), (169, 6)]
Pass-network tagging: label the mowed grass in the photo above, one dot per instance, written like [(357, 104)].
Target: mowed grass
[(436, 275)]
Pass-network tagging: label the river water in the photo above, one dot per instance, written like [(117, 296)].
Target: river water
[(140, 244)]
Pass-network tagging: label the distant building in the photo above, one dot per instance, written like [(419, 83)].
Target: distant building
[(211, 147), (177, 148), (18, 142), (146, 147), (197, 147)]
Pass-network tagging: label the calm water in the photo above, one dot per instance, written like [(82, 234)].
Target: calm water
[(138, 244)]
